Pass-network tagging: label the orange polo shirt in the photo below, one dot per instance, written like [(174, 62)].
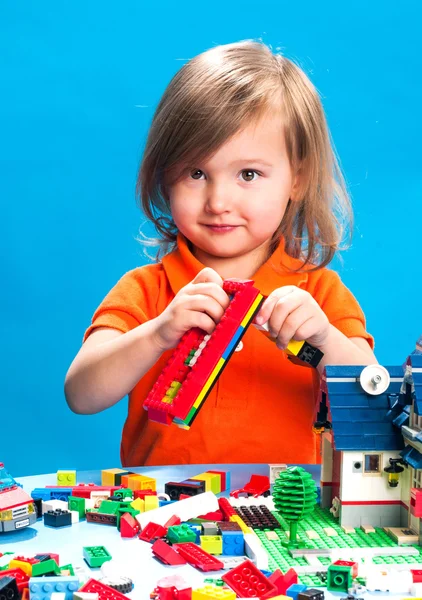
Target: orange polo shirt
[(261, 409)]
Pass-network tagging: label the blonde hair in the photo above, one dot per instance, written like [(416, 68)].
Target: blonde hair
[(211, 98)]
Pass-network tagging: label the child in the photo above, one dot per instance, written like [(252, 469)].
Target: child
[(240, 180)]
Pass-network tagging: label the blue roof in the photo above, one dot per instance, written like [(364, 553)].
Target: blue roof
[(412, 456), (361, 421)]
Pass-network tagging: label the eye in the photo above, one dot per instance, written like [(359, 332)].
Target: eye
[(249, 173), (195, 173)]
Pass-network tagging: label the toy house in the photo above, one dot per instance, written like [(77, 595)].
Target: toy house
[(370, 419)]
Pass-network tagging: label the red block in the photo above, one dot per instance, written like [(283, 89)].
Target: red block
[(248, 582), (142, 493), (348, 563), (226, 508), (173, 521), (167, 554), (197, 557), (217, 515), (173, 588), (283, 582), (22, 579), (152, 531), (83, 490), (416, 575), (223, 478), (104, 591), (416, 502), (129, 526)]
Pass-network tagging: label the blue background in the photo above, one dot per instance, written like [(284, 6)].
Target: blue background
[(78, 87)]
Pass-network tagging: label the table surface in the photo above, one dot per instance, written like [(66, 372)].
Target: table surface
[(132, 555)]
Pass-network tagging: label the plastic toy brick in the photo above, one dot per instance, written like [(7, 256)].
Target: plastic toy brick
[(78, 504), (96, 556), (104, 591), (41, 588), (129, 526), (283, 582), (66, 477), (212, 544), (184, 509), (180, 533), (26, 564), (173, 588), (113, 476), (215, 515), (233, 543), (8, 588), (198, 360), (172, 521), (19, 575), (102, 519), (226, 508), (84, 490), (339, 577), (348, 563), (46, 567), (174, 489), (212, 481), (212, 592), (293, 590), (311, 594), (258, 517), (166, 554), (259, 485), (224, 479), (198, 558), (57, 518), (248, 581), (136, 481), (152, 531), (142, 493)]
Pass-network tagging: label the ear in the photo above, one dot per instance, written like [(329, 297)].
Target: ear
[(296, 185)]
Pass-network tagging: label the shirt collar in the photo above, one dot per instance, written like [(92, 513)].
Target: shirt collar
[(181, 266)]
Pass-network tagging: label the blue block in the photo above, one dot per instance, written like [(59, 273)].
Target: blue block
[(43, 493), (41, 588), (233, 543), (233, 342), (294, 590), (197, 531)]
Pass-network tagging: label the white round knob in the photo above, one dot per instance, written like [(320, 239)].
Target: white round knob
[(374, 379)]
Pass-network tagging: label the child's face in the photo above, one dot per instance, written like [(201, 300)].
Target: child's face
[(230, 206)]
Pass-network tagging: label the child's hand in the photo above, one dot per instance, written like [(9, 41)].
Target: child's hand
[(201, 303), (292, 313)]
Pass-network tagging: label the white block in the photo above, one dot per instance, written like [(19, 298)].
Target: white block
[(74, 516), (255, 550), (85, 596), (54, 505), (186, 509), (58, 596)]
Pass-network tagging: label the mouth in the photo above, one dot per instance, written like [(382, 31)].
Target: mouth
[(221, 227)]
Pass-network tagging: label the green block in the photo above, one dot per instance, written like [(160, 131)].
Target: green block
[(95, 556), (123, 493), (69, 568), (339, 578), (109, 507), (44, 567), (123, 510), (180, 533), (78, 504)]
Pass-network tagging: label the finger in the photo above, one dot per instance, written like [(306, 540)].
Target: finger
[(206, 304), (210, 289), (285, 306), (270, 302), (208, 274), (291, 325)]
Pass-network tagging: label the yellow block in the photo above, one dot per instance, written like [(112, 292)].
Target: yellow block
[(139, 482), (108, 476), (212, 592), (213, 544), (26, 567), (151, 502), (66, 477), (212, 482), (241, 523), (138, 504)]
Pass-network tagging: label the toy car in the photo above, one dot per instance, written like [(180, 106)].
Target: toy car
[(17, 509), (259, 485)]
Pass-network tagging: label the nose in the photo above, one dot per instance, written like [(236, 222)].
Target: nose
[(219, 198)]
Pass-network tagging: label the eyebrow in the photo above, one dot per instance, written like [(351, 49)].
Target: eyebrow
[(252, 160)]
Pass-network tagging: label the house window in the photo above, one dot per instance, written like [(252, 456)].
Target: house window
[(416, 478), (372, 464)]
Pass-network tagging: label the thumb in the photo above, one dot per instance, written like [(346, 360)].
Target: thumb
[(206, 275), (268, 305)]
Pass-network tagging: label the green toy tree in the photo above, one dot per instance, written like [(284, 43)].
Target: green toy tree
[(294, 497)]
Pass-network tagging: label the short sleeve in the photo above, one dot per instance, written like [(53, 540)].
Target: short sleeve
[(131, 302), (341, 306)]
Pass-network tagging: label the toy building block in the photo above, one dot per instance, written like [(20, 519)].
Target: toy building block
[(284, 581), (152, 531), (43, 587), (57, 518), (178, 534), (224, 479), (190, 488), (259, 485), (113, 476), (339, 578), (255, 550), (258, 517), (136, 481), (66, 478), (85, 596), (184, 509), (197, 557), (212, 482), (93, 516), (104, 591), (173, 588), (8, 588), (212, 592), (46, 567), (95, 556), (248, 581), (226, 508), (166, 554), (311, 594), (129, 526), (151, 503), (18, 575), (213, 544), (78, 504), (198, 360), (233, 543), (294, 589)]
